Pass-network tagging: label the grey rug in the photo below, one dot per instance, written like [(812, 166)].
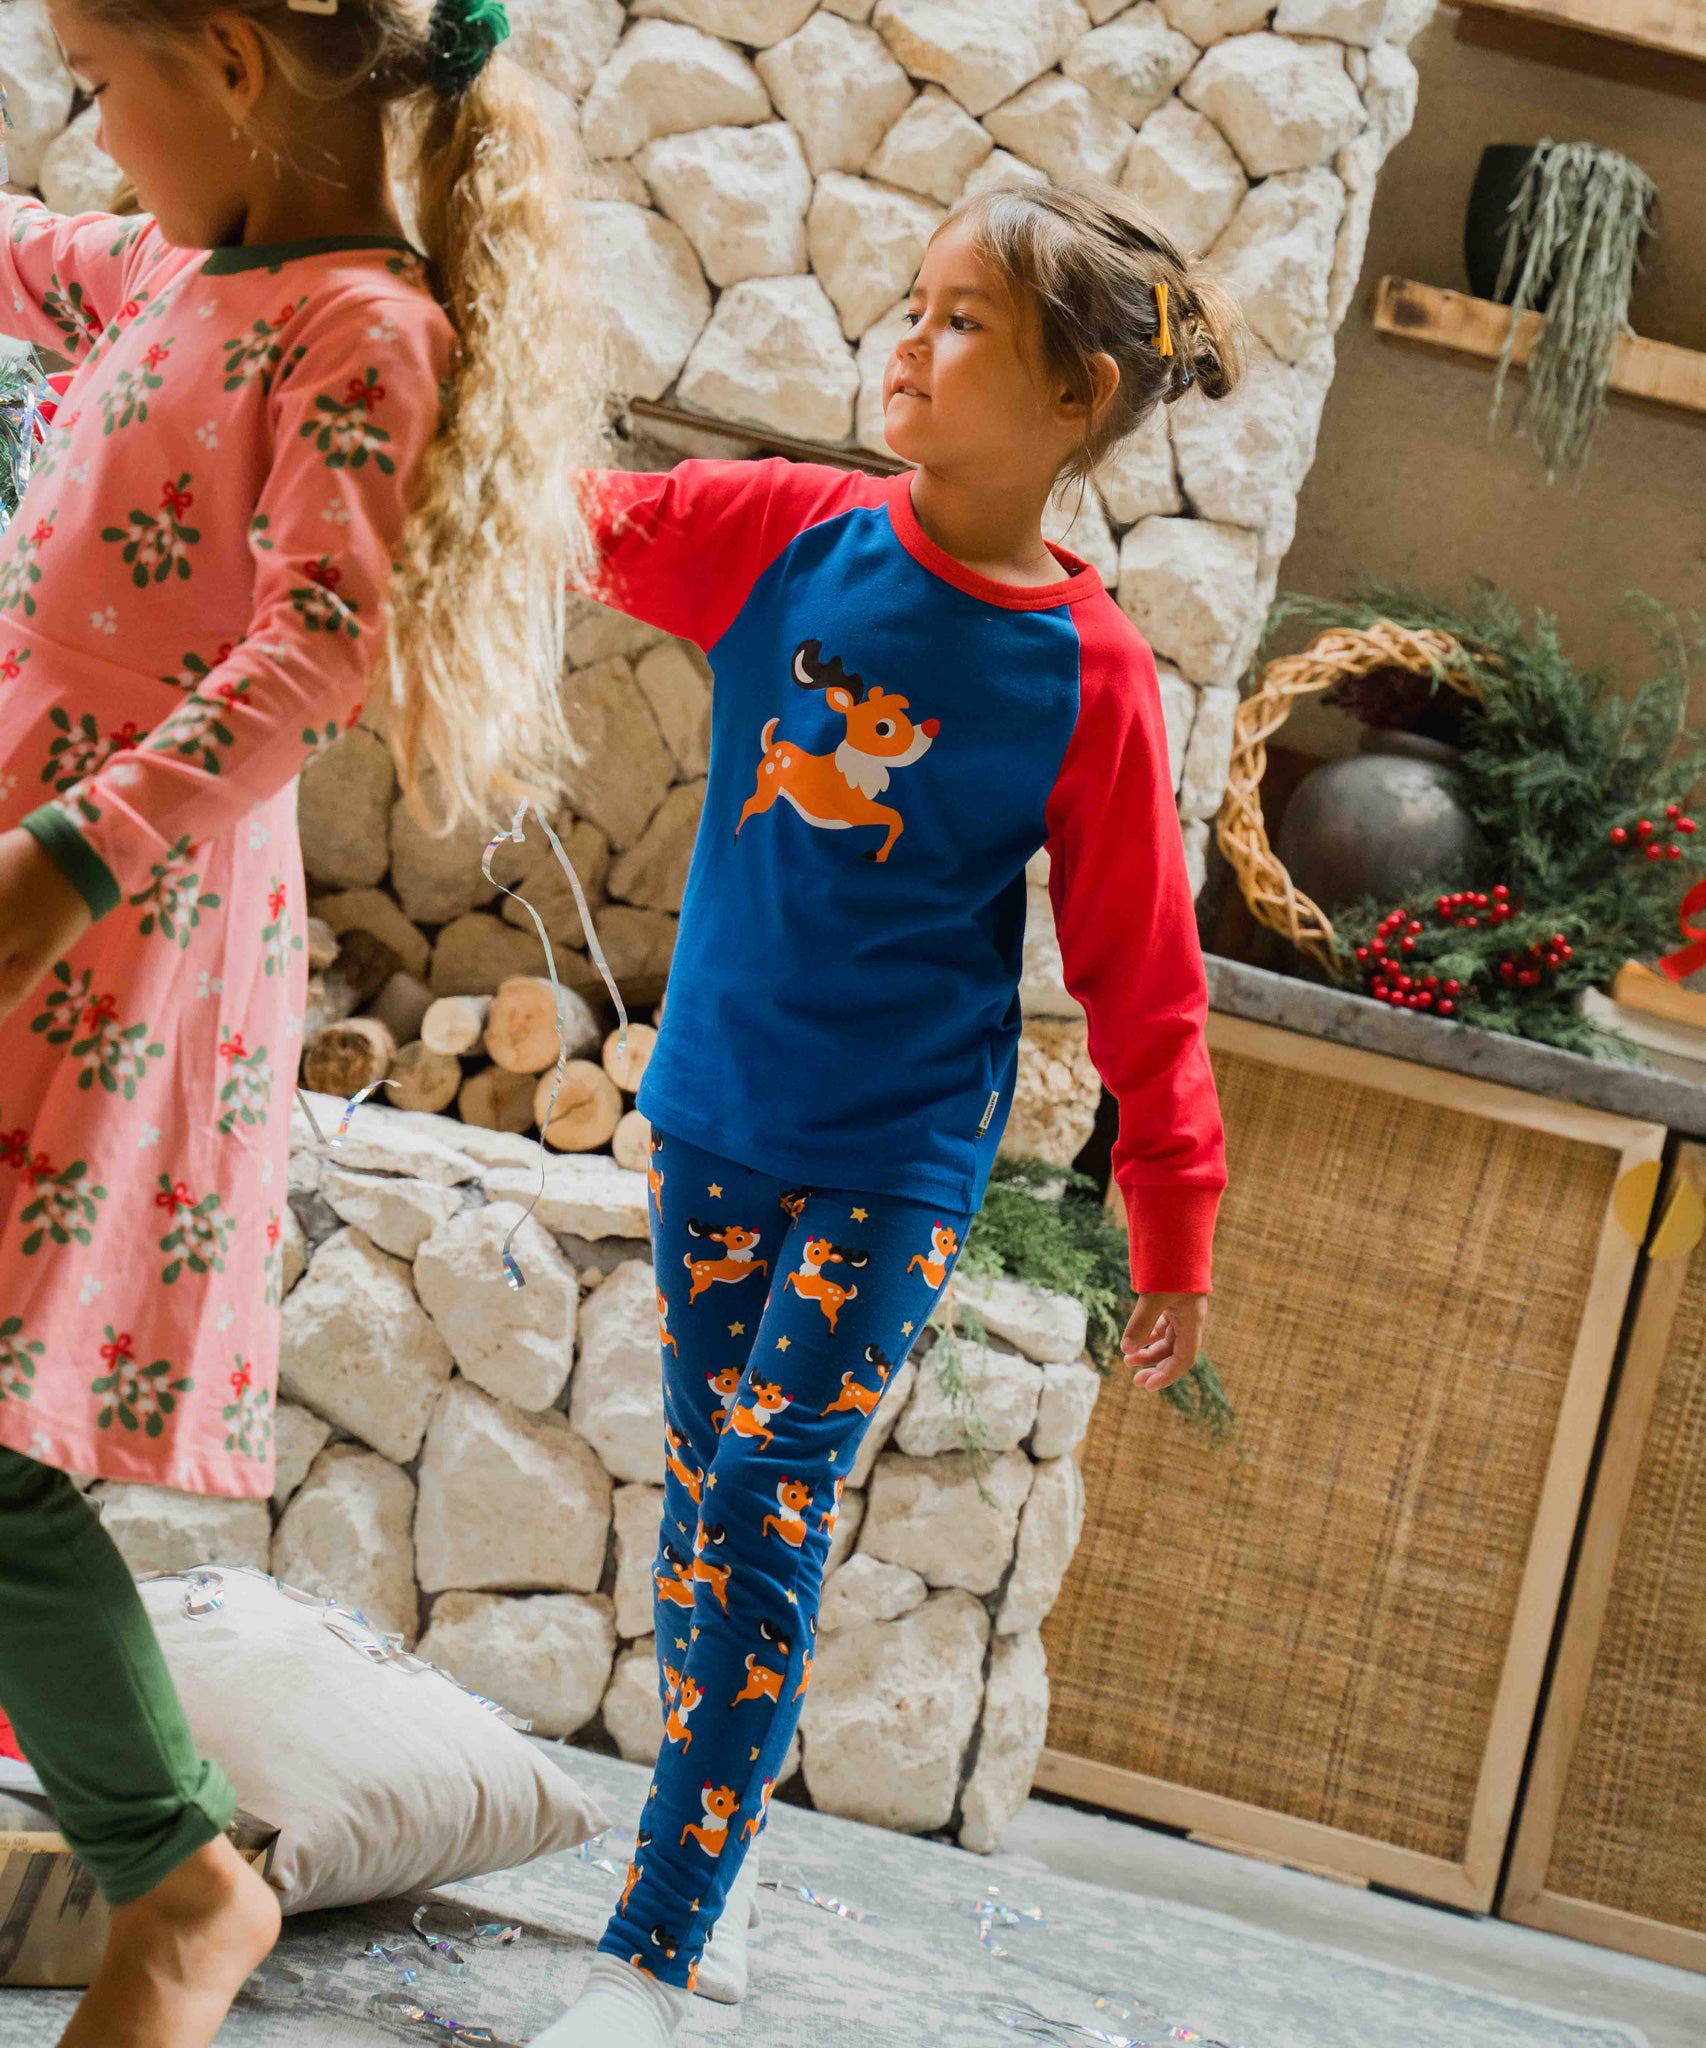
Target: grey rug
[(929, 1970)]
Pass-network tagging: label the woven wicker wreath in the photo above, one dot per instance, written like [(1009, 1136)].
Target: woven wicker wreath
[(1273, 898)]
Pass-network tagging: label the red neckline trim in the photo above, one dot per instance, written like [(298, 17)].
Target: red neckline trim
[(1081, 582)]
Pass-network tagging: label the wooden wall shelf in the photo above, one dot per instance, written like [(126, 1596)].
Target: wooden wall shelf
[(1675, 27), (1653, 370)]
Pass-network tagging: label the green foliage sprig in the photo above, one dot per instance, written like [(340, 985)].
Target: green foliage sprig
[(21, 387)]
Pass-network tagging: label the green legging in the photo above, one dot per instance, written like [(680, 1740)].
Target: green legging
[(86, 1689)]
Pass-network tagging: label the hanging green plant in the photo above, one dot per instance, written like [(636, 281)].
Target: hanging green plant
[(22, 390), (1572, 246)]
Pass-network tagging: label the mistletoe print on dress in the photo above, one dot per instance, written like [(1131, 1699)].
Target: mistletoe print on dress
[(20, 571), (319, 604), (157, 544), (63, 1208), (143, 1397), (274, 1267), (19, 1357), (200, 1232), (112, 1053), (78, 751), (197, 731), (248, 1415), (124, 402), (276, 936), (247, 1096), (255, 357), (174, 899), (344, 431)]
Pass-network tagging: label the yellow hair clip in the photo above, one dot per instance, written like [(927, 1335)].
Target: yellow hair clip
[(1163, 331)]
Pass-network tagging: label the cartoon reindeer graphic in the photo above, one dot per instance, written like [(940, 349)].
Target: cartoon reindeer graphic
[(725, 1385), (832, 1514), (810, 1283), (706, 1570), (737, 1262), (857, 1399), (654, 1174), (721, 1804), (794, 1204), (806, 1660), (840, 790), (675, 1583), (761, 1682), (675, 1728), (933, 1264), (755, 1822), (673, 1448), (765, 1401), (642, 1842), (793, 1497), (665, 1340)]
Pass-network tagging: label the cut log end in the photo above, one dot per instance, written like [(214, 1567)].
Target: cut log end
[(626, 1065), (497, 1101), (521, 1031), (424, 1079), (347, 1057), (455, 1024), (588, 1108), (632, 1143)]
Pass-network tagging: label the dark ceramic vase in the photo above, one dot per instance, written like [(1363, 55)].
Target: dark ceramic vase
[(1497, 182), (1378, 823)]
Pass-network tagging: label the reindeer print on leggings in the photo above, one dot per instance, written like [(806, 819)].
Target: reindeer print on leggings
[(811, 1283), (840, 790)]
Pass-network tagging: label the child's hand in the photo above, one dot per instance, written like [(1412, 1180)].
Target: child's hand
[(1163, 1337), (42, 916)]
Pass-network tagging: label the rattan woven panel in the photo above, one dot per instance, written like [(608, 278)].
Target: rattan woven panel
[(1632, 1829), (1317, 1626)]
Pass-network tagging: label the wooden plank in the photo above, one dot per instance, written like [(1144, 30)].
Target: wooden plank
[(1580, 50), (1656, 371), (1677, 27), (1608, 1927), (1641, 989)]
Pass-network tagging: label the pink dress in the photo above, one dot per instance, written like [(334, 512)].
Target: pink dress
[(191, 598)]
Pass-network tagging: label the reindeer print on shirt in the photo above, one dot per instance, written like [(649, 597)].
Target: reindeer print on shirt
[(840, 790)]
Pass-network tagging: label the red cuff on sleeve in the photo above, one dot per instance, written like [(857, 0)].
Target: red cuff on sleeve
[(1172, 1237)]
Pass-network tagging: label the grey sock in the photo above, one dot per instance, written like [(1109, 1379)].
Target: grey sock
[(723, 1966), (620, 2007)]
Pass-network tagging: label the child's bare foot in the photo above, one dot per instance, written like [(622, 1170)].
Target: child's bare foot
[(177, 1958)]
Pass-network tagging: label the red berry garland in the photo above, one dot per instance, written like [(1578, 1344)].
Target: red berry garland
[(1383, 961), (1644, 834)]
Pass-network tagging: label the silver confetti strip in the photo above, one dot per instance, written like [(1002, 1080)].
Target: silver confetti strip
[(400, 2006), (797, 1888), (440, 1926)]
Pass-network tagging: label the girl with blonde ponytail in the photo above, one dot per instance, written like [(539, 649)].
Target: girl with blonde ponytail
[(298, 453)]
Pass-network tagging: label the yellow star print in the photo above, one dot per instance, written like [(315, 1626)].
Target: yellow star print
[(782, 1343), (737, 1329), (906, 1329), (715, 1191), (755, 1756), (681, 1642), (694, 1633), (861, 1215)]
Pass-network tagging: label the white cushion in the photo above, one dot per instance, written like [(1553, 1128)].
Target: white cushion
[(382, 1777)]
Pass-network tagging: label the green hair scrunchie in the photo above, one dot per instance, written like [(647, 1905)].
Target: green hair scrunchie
[(461, 37)]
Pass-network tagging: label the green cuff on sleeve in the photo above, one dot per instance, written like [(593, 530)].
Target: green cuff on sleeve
[(84, 868)]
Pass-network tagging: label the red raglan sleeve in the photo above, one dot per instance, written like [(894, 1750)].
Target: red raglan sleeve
[(681, 549), (1128, 946)]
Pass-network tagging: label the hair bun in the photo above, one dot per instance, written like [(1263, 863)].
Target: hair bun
[(461, 37)]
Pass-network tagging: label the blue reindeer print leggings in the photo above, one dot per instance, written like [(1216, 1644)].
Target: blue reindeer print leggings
[(783, 1311)]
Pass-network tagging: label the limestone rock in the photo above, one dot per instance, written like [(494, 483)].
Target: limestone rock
[(594, 633), (384, 1140), (1075, 521), (1134, 63), (359, 1349), (738, 194), (675, 681), (564, 41), (881, 1426), (1042, 980), (1004, 1389), (1208, 21), (347, 1536), (1405, 20), (343, 808), (37, 85), (930, 1514), (617, 1400), (508, 1499), (633, 1714), (663, 79), (849, 1520), (653, 294), (1047, 1328), (851, 10), (299, 1436), (1184, 174), (932, 149), (1178, 715), (77, 175), (1389, 94), (1347, 21), (1015, 1727), (890, 1712), (618, 769), (981, 50), (1002, 171), (517, 1343), (876, 345), (586, 1195), (1194, 832), (1241, 459), (773, 354), (477, 954), (293, 1249), (866, 244), (159, 1530), (546, 1658), (1277, 258), (399, 1215), (757, 23), (1062, 129), (1048, 1535), (1068, 1400), (1189, 586), (531, 870), (653, 872), (1283, 106), (639, 945), (1357, 168), (1136, 478), (839, 87), (865, 1589), (373, 911), (1210, 753), (1056, 1092), (638, 1512)]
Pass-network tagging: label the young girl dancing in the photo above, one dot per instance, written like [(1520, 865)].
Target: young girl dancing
[(192, 598), (914, 693)]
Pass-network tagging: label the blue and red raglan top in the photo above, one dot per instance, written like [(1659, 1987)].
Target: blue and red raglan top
[(892, 738)]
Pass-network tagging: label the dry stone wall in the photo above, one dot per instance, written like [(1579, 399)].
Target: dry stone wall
[(481, 1472)]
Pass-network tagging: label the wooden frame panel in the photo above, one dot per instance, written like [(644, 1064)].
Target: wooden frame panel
[(1470, 1883), (1677, 27), (1526, 1898)]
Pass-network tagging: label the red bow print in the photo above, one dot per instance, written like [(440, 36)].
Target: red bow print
[(327, 574), (119, 1352), (15, 1148), (156, 355), (361, 393), (175, 499), (287, 315), (40, 1168), (127, 736), (43, 532), (11, 665), (241, 1377), (175, 1198), (275, 898), (130, 309), (101, 1011), (233, 1048), (272, 1234)]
